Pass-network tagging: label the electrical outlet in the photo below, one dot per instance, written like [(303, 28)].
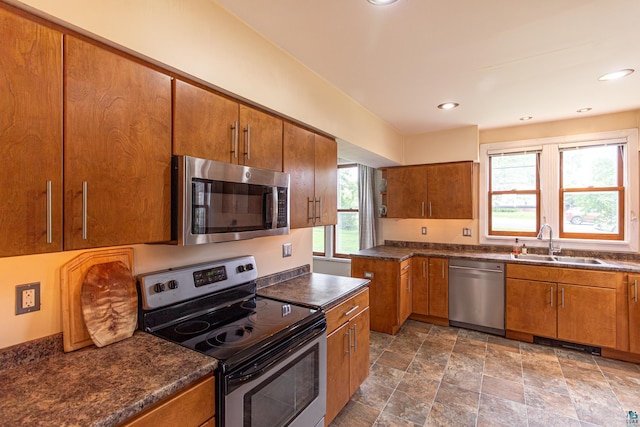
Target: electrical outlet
[(27, 298), (466, 232), (424, 231), (287, 250)]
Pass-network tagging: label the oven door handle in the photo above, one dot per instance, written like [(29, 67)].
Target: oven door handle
[(261, 366)]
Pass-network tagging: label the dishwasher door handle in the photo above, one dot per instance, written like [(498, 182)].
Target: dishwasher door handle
[(485, 270)]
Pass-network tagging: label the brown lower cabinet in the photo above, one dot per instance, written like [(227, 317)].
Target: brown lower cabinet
[(633, 296), (193, 406), (578, 306), (347, 351), (430, 289)]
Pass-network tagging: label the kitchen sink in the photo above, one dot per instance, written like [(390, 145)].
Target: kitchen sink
[(558, 259)]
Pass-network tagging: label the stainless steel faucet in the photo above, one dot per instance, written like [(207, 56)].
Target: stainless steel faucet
[(540, 233)]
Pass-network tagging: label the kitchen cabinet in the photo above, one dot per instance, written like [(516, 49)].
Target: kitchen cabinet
[(117, 149), (435, 191), (193, 406), (211, 126), (430, 289), (30, 136), (578, 306), (634, 312), (347, 351), (389, 299), (311, 160)]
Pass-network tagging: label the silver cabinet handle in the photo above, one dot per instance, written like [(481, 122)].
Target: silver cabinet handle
[(318, 213), (311, 207), (635, 291), (351, 310), (234, 138), (562, 290), (422, 208), (443, 270), (247, 130), (430, 211), (406, 267), (551, 295), (355, 338), (85, 191), (49, 213), (348, 335)]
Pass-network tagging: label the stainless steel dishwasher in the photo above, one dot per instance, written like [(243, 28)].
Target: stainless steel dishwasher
[(476, 295)]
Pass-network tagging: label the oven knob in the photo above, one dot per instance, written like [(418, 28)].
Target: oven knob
[(158, 287), (173, 284), (249, 267), (240, 268)]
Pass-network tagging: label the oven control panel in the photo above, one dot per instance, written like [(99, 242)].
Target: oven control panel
[(166, 287)]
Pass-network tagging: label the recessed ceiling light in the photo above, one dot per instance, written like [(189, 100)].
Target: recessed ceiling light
[(381, 2), (616, 74), (584, 110), (448, 105), (525, 118)]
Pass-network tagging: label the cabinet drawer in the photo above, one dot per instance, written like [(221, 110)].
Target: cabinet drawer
[(601, 279), (192, 406), (346, 310)]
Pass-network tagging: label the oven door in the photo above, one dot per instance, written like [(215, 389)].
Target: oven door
[(288, 389)]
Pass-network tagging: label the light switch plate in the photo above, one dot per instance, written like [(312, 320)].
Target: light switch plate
[(287, 250), (424, 231)]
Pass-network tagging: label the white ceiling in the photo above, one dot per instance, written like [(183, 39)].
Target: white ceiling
[(500, 59)]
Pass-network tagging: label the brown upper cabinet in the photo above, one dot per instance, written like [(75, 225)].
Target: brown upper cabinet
[(211, 126), (311, 160), (436, 191), (117, 149), (30, 137)]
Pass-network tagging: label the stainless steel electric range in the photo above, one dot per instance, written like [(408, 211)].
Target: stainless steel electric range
[(271, 354)]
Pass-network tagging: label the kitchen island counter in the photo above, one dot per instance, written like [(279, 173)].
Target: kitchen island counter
[(96, 386)]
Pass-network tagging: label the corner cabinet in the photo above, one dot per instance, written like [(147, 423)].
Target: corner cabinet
[(435, 191), (579, 306), (30, 137), (347, 351), (211, 126), (193, 406), (312, 161), (390, 291), (117, 149)]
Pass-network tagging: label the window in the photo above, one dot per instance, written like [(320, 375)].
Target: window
[(592, 192), (346, 235), (319, 241), (583, 186), (514, 195)]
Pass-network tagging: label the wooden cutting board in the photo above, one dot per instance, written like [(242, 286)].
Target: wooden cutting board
[(72, 274), (109, 301)]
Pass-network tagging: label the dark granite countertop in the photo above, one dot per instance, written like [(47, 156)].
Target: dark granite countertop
[(401, 252), (98, 386), (314, 289)]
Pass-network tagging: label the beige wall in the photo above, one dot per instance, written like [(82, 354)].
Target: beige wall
[(443, 146)]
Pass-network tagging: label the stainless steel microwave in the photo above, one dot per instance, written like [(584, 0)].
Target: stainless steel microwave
[(219, 202)]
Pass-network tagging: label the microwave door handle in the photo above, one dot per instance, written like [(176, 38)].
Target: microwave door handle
[(274, 207)]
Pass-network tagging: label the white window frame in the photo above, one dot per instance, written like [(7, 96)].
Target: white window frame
[(549, 189)]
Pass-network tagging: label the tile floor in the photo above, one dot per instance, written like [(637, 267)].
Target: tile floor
[(429, 375)]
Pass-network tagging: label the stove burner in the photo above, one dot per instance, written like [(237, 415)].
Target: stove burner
[(230, 336), (192, 327), (253, 304)]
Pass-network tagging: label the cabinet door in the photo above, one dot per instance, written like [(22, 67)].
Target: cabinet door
[(359, 361), (262, 139), (439, 287), (634, 313), (420, 285), (450, 192), (205, 124), (30, 137), (326, 176), (587, 315), (117, 149), (337, 371), (383, 291), (404, 292), (407, 192), (531, 307), (299, 163)]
